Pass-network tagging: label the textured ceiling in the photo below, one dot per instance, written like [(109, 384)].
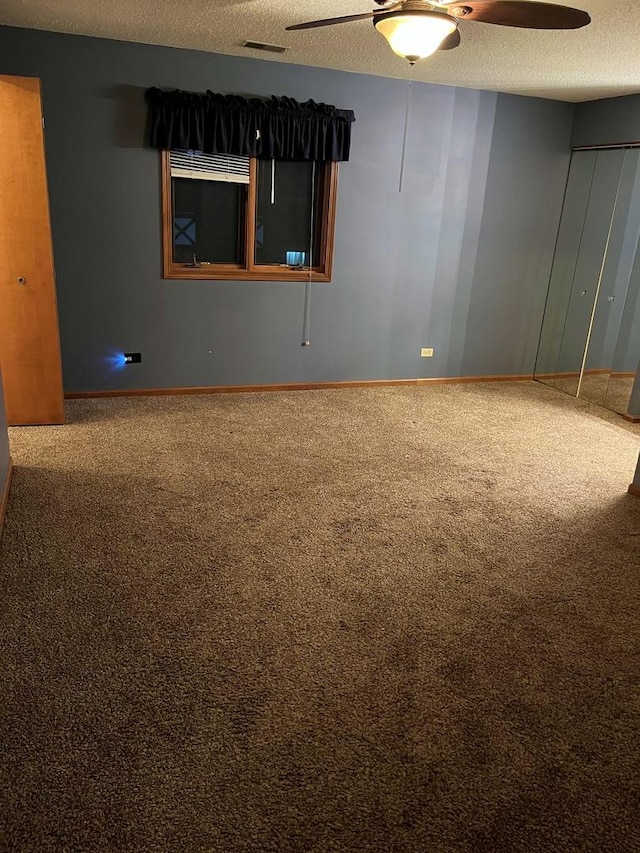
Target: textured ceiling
[(598, 61)]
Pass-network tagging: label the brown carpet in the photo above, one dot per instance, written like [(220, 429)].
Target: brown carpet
[(393, 620)]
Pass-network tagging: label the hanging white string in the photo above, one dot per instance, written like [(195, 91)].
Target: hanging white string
[(306, 324), (406, 126)]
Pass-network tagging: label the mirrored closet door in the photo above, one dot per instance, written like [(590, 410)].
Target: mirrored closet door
[(590, 340)]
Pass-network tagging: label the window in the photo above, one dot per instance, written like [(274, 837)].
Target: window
[(227, 217)]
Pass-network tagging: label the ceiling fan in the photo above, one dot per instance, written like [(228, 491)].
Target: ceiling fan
[(417, 28)]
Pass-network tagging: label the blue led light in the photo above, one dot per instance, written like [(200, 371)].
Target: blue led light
[(115, 362)]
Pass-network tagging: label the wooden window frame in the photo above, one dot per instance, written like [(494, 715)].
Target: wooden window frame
[(251, 271)]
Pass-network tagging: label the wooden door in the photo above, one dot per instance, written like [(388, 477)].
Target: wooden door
[(29, 336)]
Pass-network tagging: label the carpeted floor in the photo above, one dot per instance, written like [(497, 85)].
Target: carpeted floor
[(393, 620)]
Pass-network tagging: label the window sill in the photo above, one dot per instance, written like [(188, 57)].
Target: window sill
[(182, 273)]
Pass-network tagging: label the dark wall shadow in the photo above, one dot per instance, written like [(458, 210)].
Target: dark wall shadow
[(131, 127)]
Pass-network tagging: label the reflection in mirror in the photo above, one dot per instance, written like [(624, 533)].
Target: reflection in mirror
[(613, 282), (590, 265), (633, 409), (572, 222), (590, 339), (627, 352)]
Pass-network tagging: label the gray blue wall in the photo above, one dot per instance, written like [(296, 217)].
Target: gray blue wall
[(607, 122), (459, 261)]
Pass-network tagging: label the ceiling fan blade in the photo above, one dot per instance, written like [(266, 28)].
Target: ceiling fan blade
[(520, 13), (451, 41), (328, 22)]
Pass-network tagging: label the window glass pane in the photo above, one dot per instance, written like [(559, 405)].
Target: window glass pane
[(283, 228), (208, 221)]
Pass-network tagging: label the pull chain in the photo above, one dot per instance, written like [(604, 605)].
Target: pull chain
[(406, 126), (306, 323), (273, 181)]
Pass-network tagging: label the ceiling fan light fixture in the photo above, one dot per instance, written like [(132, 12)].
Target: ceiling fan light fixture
[(415, 34)]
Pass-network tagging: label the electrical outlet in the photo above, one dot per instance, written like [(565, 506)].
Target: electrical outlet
[(426, 352)]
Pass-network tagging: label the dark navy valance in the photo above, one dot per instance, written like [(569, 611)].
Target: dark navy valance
[(278, 128)]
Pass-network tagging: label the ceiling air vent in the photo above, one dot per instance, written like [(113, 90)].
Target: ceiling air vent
[(258, 45)]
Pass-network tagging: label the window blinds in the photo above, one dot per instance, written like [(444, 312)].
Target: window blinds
[(210, 167)]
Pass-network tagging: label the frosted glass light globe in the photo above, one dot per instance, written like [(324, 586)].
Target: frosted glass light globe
[(415, 35)]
